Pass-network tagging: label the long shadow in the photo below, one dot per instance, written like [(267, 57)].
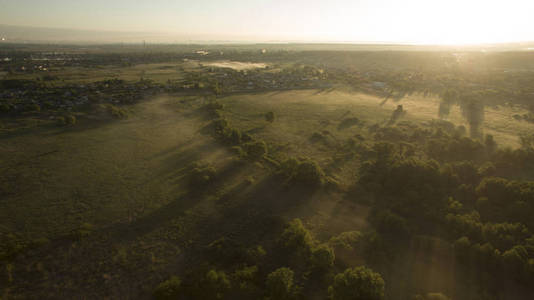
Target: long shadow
[(42, 130), (179, 160), (176, 208), (255, 130), (130, 231)]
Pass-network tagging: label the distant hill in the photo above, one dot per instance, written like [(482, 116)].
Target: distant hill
[(27, 34)]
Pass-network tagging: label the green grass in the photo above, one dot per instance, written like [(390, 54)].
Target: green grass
[(127, 180), (115, 201)]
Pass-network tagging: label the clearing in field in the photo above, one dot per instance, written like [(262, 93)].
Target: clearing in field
[(236, 65), (300, 113)]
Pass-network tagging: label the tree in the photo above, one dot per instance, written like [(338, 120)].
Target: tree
[(309, 173), (245, 283), (322, 258), (216, 283), (280, 284), (296, 242), (358, 283), (169, 289)]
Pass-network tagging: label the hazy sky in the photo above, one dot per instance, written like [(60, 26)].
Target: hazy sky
[(424, 21)]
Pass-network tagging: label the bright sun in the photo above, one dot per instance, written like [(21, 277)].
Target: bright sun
[(438, 22), (472, 22)]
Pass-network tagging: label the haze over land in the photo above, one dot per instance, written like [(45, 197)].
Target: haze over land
[(410, 21), (275, 150)]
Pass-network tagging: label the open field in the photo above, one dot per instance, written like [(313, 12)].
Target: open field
[(120, 169), (131, 173), (301, 113), (129, 178), (158, 72)]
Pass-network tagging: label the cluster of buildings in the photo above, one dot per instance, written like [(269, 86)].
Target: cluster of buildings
[(27, 95), (229, 80)]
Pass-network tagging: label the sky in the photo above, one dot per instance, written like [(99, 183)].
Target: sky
[(408, 21)]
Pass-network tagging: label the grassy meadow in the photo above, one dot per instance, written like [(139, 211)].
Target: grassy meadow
[(223, 172)]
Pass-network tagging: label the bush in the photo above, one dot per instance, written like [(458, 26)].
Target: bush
[(256, 254), (226, 251), (280, 284), (83, 231), (309, 173), (117, 112), (238, 151), (358, 283), (347, 123), (4, 107), (61, 121), (169, 289), (256, 150), (235, 136), (32, 107), (201, 175), (269, 117), (70, 120), (303, 172), (213, 105)]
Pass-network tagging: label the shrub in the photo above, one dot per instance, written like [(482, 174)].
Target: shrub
[(61, 121), (358, 283), (256, 150), (83, 231), (70, 120), (256, 254), (226, 251), (269, 117), (4, 107), (309, 173), (213, 105), (235, 136), (117, 112), (201, 175), (49, 77), (33, 107), (347, 123), (219, 125), (169, 289), (318, 137), (245, 138), (303, 172), (238, 151)]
